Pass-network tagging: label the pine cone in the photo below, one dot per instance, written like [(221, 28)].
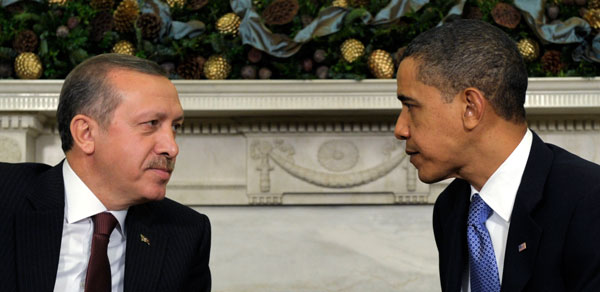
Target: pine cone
[(280, 12), (229, 24), (28, 66), (381, 64), (196, 4), (592, 16), (124, 47), (529, 49), (551, 62), (216, 67), (506, 15), (150, 24), (191, 68), (125, 16), (352, 49), (102, 4), (25, 41), (101, 23)]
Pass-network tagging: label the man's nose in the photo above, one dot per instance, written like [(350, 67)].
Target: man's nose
[(166, 144), (401, 131)]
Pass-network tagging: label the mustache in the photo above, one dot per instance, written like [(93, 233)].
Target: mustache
[(162, 163)]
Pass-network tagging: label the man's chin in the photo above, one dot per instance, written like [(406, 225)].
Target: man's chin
[(428, 178)]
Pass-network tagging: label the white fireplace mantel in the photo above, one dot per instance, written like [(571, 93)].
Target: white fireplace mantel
[(314, 97), (295, 141)]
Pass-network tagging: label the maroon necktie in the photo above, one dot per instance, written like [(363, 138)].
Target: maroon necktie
[(97, 278)]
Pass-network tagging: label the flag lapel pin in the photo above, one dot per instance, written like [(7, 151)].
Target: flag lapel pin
[(522, 246)]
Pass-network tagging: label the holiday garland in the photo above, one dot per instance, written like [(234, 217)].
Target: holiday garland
[(283, 39)]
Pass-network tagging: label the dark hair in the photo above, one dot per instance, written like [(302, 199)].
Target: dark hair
[(472, 53), (87, 90)]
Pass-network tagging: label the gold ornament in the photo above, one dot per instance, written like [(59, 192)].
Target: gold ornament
[(125, 15), (216, 67), (176, 3), (229, 24), (28, 66), (124, 47), (340, 3), (352, 49), (381, 64), (593, 4), (593, 17), (529, 49), (58, 2)]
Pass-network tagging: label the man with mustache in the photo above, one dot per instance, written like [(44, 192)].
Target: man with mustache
[(99, 220), (520, 215)]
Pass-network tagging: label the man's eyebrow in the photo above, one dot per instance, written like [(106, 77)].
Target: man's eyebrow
[(404, 98), (178, 119)]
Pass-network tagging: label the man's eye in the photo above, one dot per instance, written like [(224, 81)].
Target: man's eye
[(176, 127), (152, 123)]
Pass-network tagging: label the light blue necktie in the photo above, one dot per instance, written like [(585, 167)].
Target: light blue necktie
[(482, 261)]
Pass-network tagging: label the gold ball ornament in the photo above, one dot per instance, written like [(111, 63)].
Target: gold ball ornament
[(176, 3), (229, 24), (592, 16), (352, 49), (529, 49), (381, 64), (124, 47), (340, 3), (28, 66), (216, 67)]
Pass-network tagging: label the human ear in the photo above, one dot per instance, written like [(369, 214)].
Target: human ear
[(474, 107), (83, 130)]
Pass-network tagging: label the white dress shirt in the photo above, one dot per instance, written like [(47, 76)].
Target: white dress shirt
[(75, 248), (499, 192)]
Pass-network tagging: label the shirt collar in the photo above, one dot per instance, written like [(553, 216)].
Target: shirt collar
[(500, 190), (81, 203)]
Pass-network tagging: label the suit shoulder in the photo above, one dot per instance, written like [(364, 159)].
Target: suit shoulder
[(570, 167), (20, 173)]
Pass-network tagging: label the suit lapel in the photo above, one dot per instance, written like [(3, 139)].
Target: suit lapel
[(38, 233), (456, 241), (524, 233), (146, 249)]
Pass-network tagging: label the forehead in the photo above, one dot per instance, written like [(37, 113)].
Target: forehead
[(141, 91)]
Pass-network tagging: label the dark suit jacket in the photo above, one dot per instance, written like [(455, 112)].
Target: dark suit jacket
[(31, 221), (556, 213)]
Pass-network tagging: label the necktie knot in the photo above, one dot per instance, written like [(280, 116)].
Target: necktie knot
[(479, 211), (104, 223)]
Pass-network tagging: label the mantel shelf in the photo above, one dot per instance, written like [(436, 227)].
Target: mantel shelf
[(313, 97)]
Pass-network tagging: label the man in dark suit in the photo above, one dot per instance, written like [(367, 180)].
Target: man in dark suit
[(520, 215), (117, 118)]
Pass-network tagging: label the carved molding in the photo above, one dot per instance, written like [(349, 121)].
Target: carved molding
[(21, 122), (282, 154), (255, 97), (10, 151)]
